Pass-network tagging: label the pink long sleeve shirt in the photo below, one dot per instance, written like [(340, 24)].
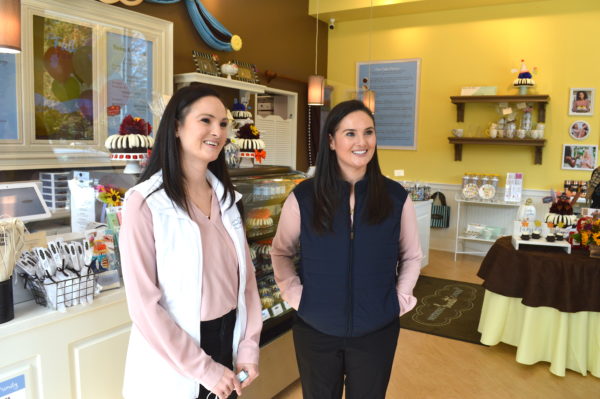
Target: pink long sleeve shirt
[(219, 295), (286, 241)]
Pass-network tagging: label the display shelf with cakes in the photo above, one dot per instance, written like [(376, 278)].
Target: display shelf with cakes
[(278, 130), (264, 190), (131, 144), (252, 147), (518, 241)]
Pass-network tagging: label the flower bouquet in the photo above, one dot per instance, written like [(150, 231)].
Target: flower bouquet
[(588, 234)]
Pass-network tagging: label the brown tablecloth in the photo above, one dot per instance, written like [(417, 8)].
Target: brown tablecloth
[(543, 276)]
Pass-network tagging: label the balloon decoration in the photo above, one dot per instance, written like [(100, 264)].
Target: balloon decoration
[(59, 63), (86, 104), (67, 90), (211, 31), (82, 64)]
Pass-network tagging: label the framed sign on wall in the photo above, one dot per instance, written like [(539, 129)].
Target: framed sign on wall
[(396, 85)]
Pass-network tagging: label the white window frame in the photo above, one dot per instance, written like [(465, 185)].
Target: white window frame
[(29, 153)]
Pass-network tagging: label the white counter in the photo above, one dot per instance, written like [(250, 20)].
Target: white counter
[(76, 354)]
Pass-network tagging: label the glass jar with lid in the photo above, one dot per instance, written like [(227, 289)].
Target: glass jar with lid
[(470, 188), (486, 191)]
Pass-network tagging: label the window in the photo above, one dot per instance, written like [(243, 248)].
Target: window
[(82, 70)]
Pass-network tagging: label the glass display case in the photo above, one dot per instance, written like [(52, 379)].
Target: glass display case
[(264, 190)]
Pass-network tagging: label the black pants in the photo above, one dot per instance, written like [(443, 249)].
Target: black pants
[(324, 360), (216, 338)]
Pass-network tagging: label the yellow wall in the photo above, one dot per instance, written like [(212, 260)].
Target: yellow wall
[(480, 46)]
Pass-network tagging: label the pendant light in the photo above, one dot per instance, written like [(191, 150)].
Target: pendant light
[(316, 83), (10, 28), (368, 96)]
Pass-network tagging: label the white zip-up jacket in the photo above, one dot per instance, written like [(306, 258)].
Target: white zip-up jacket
[(179, 273)]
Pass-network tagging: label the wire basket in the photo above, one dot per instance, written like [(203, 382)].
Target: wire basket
[(62, 294)]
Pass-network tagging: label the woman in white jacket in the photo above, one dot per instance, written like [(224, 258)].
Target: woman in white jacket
[(189, 279)]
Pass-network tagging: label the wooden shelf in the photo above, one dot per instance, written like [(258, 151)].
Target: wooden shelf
[(460, 102), (185, 79), (458, 142)]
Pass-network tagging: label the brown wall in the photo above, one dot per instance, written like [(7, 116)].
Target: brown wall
[(277, 35)]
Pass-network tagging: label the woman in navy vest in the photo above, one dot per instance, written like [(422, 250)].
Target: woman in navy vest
[(356, 235)]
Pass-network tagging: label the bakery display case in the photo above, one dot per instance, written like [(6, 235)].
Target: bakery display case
[(264, 190)]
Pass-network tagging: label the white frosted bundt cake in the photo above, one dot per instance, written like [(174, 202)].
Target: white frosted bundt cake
[(134, 137)]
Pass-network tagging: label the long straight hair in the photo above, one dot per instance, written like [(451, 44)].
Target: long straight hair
[(328, 180), (166, 153)]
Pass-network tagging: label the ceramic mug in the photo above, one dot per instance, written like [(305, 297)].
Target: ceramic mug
[(457, 132), (540, 134), (521, 133), (493, 132)]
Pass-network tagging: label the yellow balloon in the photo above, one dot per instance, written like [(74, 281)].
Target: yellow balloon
[(66, 91), (236, 43)]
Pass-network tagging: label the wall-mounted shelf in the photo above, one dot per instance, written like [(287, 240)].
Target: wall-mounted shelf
[(184, 79), (460, 102), (458, 142)]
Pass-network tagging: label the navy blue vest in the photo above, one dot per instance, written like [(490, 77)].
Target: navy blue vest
[(349, 284)]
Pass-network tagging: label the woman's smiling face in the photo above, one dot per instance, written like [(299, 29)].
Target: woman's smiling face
[(354, 142), (203, 132)]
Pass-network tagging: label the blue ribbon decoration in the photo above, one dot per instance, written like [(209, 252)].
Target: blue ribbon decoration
[(211, 31)]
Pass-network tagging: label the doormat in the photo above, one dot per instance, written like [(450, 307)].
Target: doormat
[(446, 308)]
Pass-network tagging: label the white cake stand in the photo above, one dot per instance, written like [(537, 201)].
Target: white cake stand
[(246, 159), (132, 161)]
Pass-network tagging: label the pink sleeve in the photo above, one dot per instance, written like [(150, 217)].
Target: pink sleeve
[(284, 248), (138, 262), (410, 257), (249, 346)]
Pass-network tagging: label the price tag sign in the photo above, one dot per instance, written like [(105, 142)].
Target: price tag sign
[(265, 314), (13, 388), (277, 310), (286, 305)]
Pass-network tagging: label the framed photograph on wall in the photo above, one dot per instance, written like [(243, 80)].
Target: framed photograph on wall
[(579, 130), (581, 101), (579, 157), (205, 63)]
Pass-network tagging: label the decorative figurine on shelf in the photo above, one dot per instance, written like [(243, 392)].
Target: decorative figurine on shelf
[(561, 211), (229, 69), (251, 145), (524, 80), (526, 211), (131, 144)]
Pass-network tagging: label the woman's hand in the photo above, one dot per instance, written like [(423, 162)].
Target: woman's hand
[(251, 369), (227, 384)]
